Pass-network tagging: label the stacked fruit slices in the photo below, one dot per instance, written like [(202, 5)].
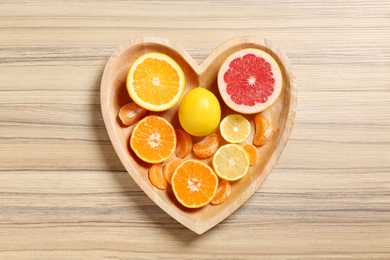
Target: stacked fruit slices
[(200, 173)]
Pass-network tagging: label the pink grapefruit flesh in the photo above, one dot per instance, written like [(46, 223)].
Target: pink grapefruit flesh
[(250, 81)]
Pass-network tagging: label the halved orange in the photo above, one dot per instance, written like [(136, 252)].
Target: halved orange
[(155, 81), (194, 183), (153, 139)]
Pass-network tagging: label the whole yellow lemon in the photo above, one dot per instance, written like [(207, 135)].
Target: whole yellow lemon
[(199, 112)]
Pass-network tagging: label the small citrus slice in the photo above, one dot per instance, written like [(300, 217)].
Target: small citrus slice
[(250, 81), (155, 81), (156, 177), (170, 167), (184, 143), (231, 162), (194, 183), (131, 113), (223, 192), (153, 139), (206, 147), (235, 128), (252, 154), (263, 130)]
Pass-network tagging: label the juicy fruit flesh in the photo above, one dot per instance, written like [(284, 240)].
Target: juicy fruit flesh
[(235, 128), (164, 82), (249, 80), (231, 162), (194, 183), (153, 139), (199, 112), (155, 81)]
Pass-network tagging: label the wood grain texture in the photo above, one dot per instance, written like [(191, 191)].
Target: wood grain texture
[(65, 194)]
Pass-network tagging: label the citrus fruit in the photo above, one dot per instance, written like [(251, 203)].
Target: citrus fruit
[(249, 81), (223, 192), (263, 130), (231, 162), (252, 154), (170, 167), (156, 177), (131, 113), (206, 147), (194, 183), (153, 139), (155, 81), (199, 112), (184, 143), (235, 128)]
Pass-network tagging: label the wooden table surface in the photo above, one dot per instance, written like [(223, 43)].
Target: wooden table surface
[(64, 194)]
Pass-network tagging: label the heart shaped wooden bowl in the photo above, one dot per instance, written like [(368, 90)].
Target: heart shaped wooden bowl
[(281, 114)]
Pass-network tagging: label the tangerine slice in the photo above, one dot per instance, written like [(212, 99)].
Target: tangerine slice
[(263, 130), (131, 113), (250, 81), (194, 183), (207, 146), (184, 143), (223, 192), (155, 81), (252, 154), (156, 177), (153, 139), (170, 167)]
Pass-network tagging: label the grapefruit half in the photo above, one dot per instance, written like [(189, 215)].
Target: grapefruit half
[(250, 81)]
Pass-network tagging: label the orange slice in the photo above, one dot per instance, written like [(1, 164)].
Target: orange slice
[(155, 81), (153, 139), (231, 162), (194, 183)]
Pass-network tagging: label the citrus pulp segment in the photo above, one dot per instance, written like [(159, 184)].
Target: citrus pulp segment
[(263, 130), (252, 154), (184, 143), (250, 81), (235, 128), (131, 113), (194, 183), (156, 177), (155, 81), (206, 147), (170, 167), (230, 162), (223, 192), (153, 139)]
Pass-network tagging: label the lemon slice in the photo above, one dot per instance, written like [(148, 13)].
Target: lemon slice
[(231, 162), (235, 128)]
